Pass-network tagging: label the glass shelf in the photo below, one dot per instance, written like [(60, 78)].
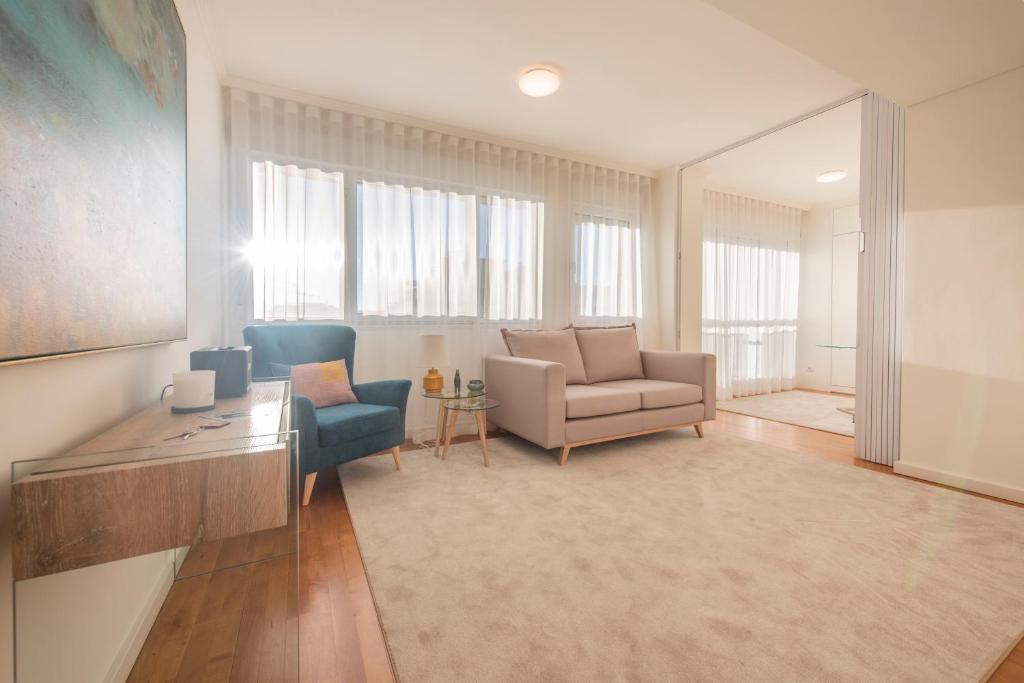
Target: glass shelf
[(448, 395), (471, 404), (836, 346)]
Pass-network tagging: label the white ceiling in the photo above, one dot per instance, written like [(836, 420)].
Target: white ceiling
[(907, 50), (782, 167), (646, 83)]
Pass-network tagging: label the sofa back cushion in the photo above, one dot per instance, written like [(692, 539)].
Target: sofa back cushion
[(610, 353), (555, 346)]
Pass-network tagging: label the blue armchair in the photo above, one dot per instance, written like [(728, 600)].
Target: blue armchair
[(335, 434)]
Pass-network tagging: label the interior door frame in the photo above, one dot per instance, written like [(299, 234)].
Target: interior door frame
[(722, 150), (881, 218)]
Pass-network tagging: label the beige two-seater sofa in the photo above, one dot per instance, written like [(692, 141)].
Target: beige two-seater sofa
[(575, 386)]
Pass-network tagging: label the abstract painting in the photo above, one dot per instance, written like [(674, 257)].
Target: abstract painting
[(92, 175)]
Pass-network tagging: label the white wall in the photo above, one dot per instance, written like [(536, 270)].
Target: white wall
[(691, 239), (963, 367), (50, 406), (817, 323), (666, 213), (814, 364)]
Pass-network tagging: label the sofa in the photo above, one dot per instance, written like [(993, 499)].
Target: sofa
[(331, 435), (576, 386)]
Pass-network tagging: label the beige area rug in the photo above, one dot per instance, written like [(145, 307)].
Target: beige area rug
[(804, 408), (669, 558)]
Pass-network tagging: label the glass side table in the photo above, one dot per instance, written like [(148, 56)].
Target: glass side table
[(478, 406), (445, 396)]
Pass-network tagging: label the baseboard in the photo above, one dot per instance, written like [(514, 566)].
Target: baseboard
[(959, 481), (122, 665)]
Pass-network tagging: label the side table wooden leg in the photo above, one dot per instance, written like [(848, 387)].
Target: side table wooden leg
[(448, 433), (481, 427), (441, 415)]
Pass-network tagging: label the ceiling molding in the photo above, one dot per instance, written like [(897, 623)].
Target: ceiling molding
[(393, 117)]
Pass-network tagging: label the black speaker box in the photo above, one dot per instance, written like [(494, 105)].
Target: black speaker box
[(233, 365)]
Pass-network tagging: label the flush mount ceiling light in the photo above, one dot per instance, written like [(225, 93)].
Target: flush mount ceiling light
[(539, 81), (831, 176)]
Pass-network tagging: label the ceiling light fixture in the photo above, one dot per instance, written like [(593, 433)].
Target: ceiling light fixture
[(831, 176), (539, 81)]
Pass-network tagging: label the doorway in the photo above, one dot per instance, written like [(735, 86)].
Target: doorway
[(779, 222)]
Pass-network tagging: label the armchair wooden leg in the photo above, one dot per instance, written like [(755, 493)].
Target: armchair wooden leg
[(397, 455), (307, 488), (699, 428), (565, 454)]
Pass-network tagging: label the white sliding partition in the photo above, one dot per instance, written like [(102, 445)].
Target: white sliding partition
[(880, 281)]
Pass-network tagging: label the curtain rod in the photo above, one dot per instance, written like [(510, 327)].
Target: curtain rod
[(258, 88)]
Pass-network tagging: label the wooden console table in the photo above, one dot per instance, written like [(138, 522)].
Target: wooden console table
[(130, 491)]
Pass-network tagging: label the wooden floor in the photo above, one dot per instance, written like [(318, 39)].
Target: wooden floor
[(230, 626)]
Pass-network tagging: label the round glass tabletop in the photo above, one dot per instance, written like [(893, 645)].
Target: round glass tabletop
[(472, 403), (448, 394)]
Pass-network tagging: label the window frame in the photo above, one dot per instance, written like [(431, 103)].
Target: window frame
[(631, 219), (352, 177)]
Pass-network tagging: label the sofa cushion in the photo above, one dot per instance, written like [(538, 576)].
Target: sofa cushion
[(555, 346), (325, 384), (587, 400), (610, 353), (658, 394), (348, 421)]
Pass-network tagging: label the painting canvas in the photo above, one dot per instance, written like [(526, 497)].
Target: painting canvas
[(92, 175)]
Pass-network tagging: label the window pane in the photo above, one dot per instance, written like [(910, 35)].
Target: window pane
[(417, 252), (606, 269), (297, 248), (515, 256)]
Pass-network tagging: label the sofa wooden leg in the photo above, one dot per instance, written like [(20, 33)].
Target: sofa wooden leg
[(397, 455), (307, 488), (699, 428), (565, 454)]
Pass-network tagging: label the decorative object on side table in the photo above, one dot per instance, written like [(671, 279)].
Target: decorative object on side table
[(475, 387), (458, 383), (433, 353)]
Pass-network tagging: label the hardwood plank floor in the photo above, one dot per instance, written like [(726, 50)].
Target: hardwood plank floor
[(216, 629)]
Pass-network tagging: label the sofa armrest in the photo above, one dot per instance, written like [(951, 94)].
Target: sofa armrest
[(304, 421), (683, 366), (532, 395)]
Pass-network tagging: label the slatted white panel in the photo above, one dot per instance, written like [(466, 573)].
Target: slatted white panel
[(880, 281)]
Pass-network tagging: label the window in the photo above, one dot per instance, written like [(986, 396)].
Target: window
[(512, 236), (750, 293), (606, 269), (297, 246), (417, 252)]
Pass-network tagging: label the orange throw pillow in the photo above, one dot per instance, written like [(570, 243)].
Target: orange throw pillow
[(326, 384)]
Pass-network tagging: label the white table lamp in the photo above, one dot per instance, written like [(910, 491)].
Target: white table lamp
[(433, 354)]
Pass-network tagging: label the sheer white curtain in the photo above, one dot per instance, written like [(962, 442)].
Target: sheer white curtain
[(607, 269), (417, 252), (514, 232), (525, 205), (751, 280), (297, 250)]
